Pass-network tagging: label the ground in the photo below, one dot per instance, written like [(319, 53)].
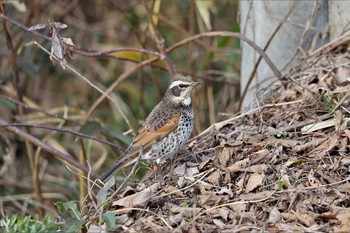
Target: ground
[(281, 166)]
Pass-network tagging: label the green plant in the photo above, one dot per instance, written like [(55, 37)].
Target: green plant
[(15, 224), (71, 214)]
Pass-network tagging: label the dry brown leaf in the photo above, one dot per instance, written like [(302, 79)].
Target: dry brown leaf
[(184, 170), (240, 182), (260, 168), (225, 190), (237, 166), (282, 227), (218, 222), (173, 190), (287, 143), (225, 156), (254, 181), (209, 200), (289, 217), (204, 163), (193, 229), (255, 196), (203, 189), (341, 75), (345, 226), (333, 142), (181, 182), (94, 228), (327, 215), (184, 214), (214, 178), (274, 215), (239, 207), (304, 219), (344, 188), (137, 199), (222, 212), (312, 180)]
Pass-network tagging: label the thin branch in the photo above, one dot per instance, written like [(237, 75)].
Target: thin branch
[(19, 91), (127, 73), (58, 154), (23, 26), (65, 130), (132, 172), (109, 51), (74, 71), (251, 77), (159, 40), (121, 78), (261, 52)]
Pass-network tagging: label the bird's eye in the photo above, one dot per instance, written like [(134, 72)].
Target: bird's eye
[(181, 86)]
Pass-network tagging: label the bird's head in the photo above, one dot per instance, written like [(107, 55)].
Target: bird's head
[(179, 91)]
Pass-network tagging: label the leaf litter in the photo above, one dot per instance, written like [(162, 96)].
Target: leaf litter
[(283, 166)]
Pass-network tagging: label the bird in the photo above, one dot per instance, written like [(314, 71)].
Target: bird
[(166, 129)]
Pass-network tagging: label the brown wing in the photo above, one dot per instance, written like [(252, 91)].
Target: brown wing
[(148, 135), (157, 126)]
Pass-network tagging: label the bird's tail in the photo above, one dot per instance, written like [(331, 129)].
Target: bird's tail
[(123, 161)]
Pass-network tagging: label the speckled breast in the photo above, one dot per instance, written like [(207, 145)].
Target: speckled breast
[(170, 145)]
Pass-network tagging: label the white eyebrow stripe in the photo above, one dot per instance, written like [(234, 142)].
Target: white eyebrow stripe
[(176, 83)]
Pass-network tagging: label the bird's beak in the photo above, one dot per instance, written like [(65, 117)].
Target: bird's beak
[(195, 84)]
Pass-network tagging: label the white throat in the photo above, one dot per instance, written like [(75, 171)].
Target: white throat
[(187, 101)]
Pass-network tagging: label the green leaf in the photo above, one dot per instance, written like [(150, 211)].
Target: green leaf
[(102, 194), (7, 103), (109, 218), (72, 208), (74, 220)]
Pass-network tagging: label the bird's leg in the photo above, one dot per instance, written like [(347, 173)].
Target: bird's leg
[(159, 170), (174, 160)]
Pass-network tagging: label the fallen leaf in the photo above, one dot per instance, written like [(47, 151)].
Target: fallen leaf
[(289, 217), (237, 166), (184, 170), (312, 180), (255, 196), (173, 190), (137, 199), (254, 181), (260, 168), (224, 156), (274, 215), (214, 178), (218, 222), (225, 190), (304, 219)]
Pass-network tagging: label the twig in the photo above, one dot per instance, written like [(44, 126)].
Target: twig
[(146, 210), (222, 123), (74, 71), (229, 34), (16, 83), (109, 51), (251, 77), (187, 187), (23, 27), (59, 154), (313, 187), (235, 203), (65, 130), (132, 172), (27, 106), (127, 73), (121, 78), (159, 40)]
